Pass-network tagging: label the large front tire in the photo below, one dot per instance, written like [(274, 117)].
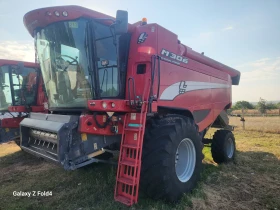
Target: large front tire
[(172, 157)]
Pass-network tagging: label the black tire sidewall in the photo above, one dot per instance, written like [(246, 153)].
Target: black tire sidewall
[(227, 137), (190, 184), (158, 173), (219, 148)]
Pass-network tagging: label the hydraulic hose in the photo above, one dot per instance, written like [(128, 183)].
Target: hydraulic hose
[(98, 124)]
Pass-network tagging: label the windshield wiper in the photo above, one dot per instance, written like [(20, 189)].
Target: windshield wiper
[(105, 71), (113, 35)]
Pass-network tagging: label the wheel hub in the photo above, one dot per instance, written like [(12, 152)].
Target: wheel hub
[(185, 160), (229, 148)]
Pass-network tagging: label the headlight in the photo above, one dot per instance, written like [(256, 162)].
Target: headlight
[(65, 14), (56, 13), (104, 105)]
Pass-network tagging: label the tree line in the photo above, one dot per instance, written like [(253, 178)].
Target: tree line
[(262, 106)]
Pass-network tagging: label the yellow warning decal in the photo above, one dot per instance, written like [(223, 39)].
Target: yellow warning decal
[(7, 129), (84, 136), (73, 24)]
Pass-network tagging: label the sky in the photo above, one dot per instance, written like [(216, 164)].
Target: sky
[(244, 35)]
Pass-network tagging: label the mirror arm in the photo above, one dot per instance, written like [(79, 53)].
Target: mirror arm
[(104, 19), (113, 33)]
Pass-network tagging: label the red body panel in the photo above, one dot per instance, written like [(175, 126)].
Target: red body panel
[(195, 83), (88, 125), (24, 109), (11, 122), (119, 105), (188, 52), (12, 62), (212, 99), (41, 98), (40, 18)]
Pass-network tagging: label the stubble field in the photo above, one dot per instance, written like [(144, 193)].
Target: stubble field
[(252, 181)]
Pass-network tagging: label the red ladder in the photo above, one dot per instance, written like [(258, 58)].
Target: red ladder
[(129, 167)]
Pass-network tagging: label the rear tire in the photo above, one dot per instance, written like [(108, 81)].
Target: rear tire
[(160, 177), (223, 146)]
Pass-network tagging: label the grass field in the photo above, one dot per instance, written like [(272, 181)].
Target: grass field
[(272, 112), (251, 182), (262, 124)]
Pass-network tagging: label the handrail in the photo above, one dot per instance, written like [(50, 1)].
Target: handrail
[(132, 79), (153, 66)]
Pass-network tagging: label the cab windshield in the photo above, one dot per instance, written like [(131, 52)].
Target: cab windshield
[(78, 62), (17, 88)]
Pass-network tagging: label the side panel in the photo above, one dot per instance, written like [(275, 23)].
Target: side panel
[(184, 83), (142, 46), (178, 90), (220, 97), (188, 84)]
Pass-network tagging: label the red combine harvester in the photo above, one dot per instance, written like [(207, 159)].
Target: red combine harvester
[(132, 88), (20, 93)]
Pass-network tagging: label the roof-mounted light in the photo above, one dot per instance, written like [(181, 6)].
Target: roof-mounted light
[(144, 21), (57, 13), (65, 14), (49, 13)]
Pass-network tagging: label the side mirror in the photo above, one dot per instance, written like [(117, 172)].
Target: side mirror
[(121, 25)]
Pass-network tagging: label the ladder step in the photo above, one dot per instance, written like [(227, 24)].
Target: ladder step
[(125, 181), (131, 146), (133, 129), (123, 200), (129, 163), (135, 125)]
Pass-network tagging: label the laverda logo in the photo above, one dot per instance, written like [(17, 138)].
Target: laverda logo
[(175, 58)]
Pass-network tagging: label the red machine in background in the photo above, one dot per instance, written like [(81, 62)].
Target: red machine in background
[(133, 88), (21, 92)]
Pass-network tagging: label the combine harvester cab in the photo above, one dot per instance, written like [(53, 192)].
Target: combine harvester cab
[(132, 88), (21, 92)]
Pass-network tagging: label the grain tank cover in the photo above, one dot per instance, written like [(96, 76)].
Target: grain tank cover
[(234, 74)]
